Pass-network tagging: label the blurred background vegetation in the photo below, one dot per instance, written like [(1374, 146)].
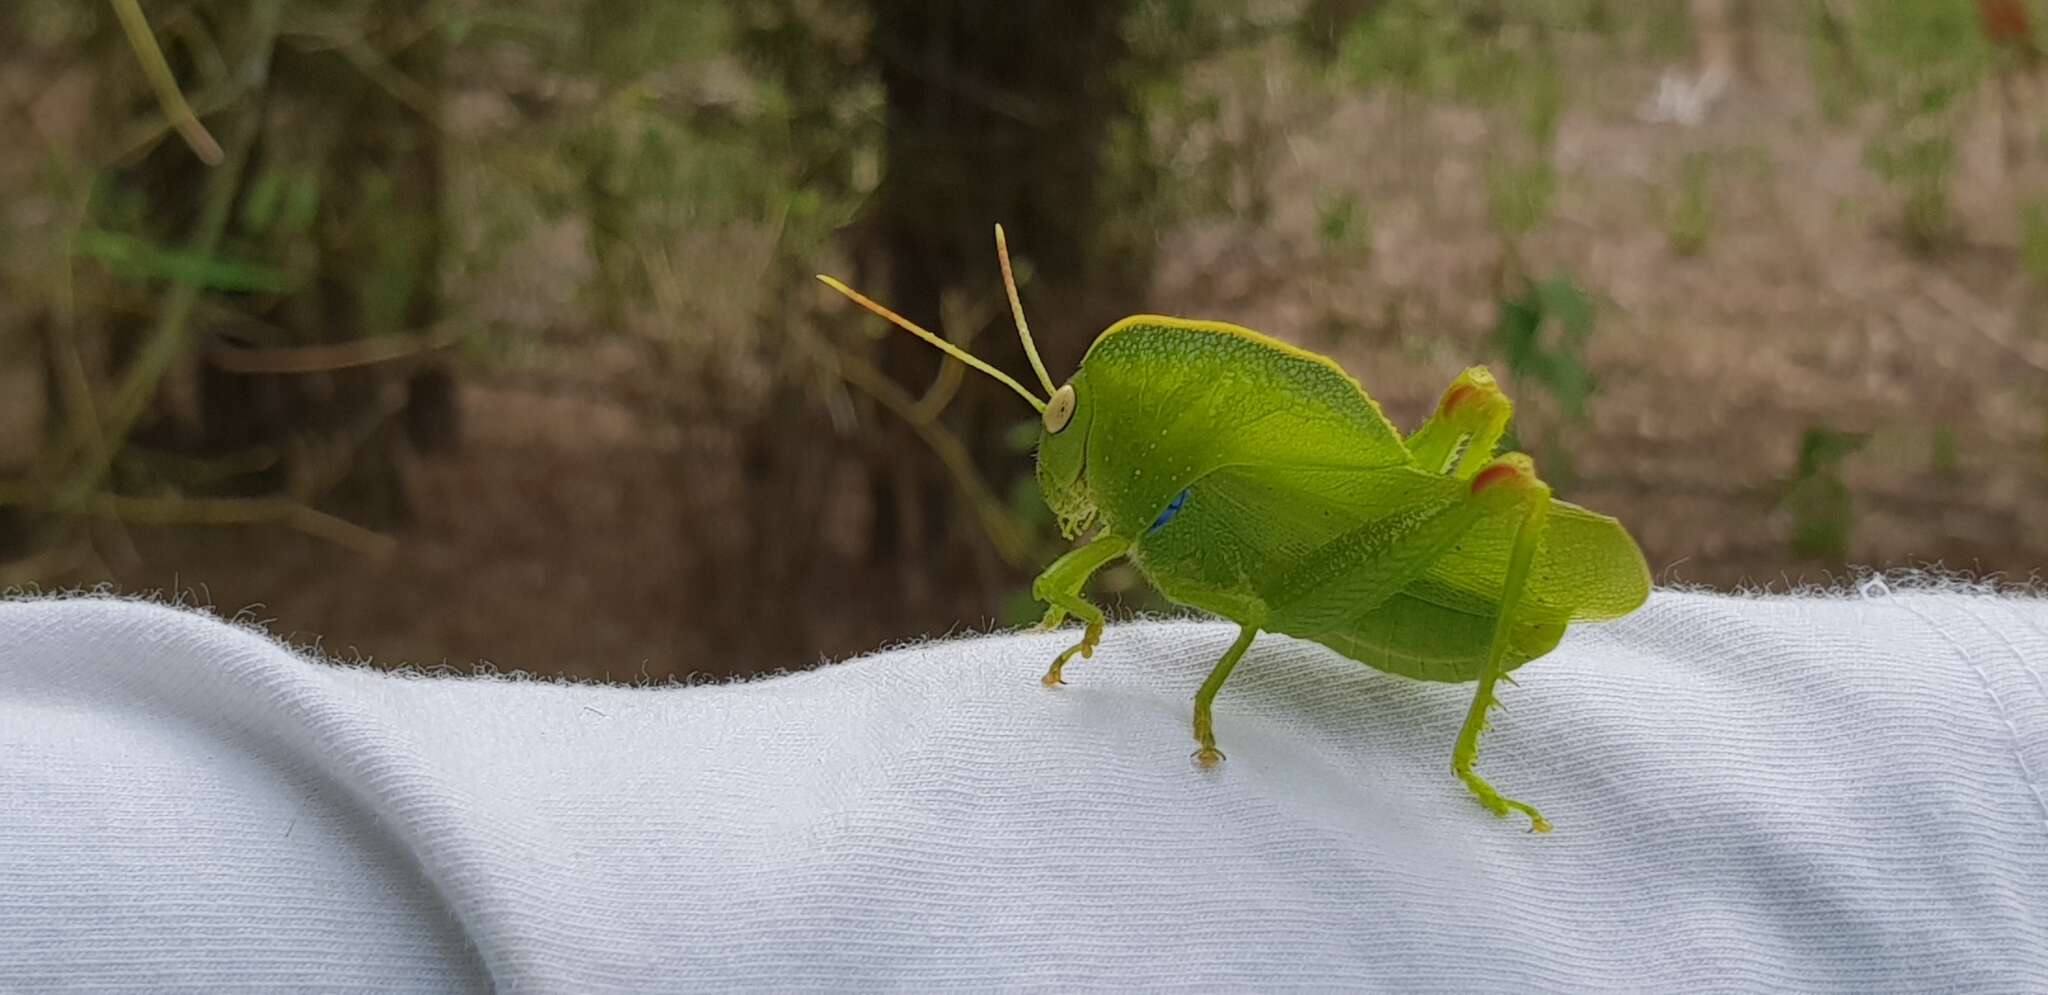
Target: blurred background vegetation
[(454, 330)]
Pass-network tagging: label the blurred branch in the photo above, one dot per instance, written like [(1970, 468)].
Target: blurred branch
[(355, 47), (321, 358), (1018, 107), (952, 372), (316, 470), (53, 562), (1954, 298), (182, 471), (379, 70), (79, 394), (136, 27), (945, 386), (167, 339), (210, 511), (190, 31), (18, 100), (321, 27), (141, 137), (1009, 541), (74, 385)]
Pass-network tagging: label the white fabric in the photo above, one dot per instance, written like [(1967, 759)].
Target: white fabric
[(1781, 793)]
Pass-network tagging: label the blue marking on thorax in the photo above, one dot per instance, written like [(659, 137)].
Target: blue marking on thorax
[(1167, 515)]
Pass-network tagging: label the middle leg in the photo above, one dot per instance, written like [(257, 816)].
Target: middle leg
[(1205, 730)]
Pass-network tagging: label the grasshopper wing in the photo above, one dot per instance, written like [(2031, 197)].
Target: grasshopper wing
[(1594, 567), (1440, 625), (1586, 568)]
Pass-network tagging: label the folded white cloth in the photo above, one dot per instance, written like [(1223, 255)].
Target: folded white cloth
[(1807, 793)]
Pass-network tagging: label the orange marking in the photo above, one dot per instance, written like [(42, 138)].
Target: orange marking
[(2005, 22), (1457, 396), (1493, 475)]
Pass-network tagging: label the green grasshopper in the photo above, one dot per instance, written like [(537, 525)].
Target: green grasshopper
[(1251, 479)]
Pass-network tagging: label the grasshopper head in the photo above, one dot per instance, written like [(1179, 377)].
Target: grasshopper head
[(1063, 457), (1064, 414)]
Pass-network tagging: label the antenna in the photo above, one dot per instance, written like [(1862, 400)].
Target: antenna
[(1017, 310), (944, 346)]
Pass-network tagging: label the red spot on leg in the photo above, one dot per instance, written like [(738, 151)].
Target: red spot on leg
[(1495, 474), (1455, 397)]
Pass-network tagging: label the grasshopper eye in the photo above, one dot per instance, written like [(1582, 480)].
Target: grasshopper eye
[(1060, 410)]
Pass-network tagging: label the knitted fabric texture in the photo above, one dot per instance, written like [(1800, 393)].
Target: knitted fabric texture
[(1842, 793)]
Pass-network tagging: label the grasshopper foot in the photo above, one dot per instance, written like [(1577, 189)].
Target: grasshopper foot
[(1500, 806), (1208, 757), (1086, 648)]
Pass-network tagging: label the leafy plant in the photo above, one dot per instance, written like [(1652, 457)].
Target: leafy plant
[(1837, 73), (1519, 195), (2034, 240), (1667, 31), (1431, 48), (1927, 56), (1542, 335), (1947, 464), (1916, 156), (1483, 52), (134, 258), (1822, 509), (1491, 54), (1692, 217), (1344, 225)]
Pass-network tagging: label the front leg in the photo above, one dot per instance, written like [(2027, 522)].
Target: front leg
[(1060, 587)]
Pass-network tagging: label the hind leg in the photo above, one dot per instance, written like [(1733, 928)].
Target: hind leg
[(1470, 418), (1518, 475)]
